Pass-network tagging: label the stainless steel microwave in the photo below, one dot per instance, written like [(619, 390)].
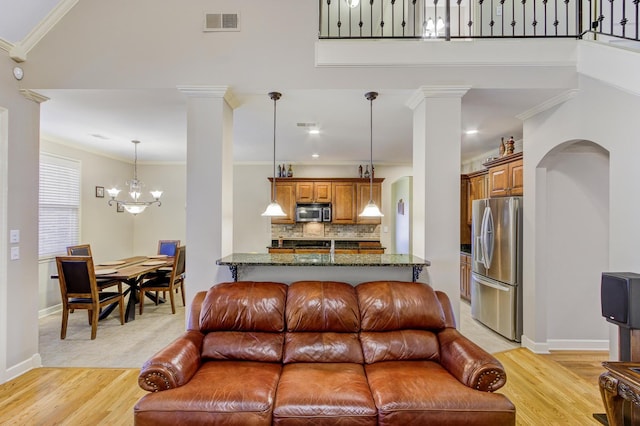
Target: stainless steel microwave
[(313, 212)]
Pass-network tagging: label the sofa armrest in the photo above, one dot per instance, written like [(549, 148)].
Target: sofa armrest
[(174, 365), (469, 363)]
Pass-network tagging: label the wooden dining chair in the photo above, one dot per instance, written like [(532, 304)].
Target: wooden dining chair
[(85, 250), (79, 290), (167, 283), (168, 247)]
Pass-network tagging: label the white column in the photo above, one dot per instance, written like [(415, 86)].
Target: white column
[(209, 185), (436, 185)]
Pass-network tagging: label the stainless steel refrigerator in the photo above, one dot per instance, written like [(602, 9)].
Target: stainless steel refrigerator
[(496, 256)]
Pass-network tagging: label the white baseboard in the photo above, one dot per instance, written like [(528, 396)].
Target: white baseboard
[(50, 310), (19, 369), (535, 347), (564, 345), (578, 345)]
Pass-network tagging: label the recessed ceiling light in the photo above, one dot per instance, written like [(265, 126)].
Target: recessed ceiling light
[(314, 131), (315, 155), (471, 132)]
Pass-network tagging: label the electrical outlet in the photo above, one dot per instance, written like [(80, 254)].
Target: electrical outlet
[(15, 253), (14, 236), (499, 10)]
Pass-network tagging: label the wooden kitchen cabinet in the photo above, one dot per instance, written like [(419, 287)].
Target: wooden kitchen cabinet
[(286, 197), (313, 192), (364, 194), (465, 277), (506, 176), (343, 209), (478, 189)]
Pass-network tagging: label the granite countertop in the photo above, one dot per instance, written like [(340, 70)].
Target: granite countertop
[(266, 259)]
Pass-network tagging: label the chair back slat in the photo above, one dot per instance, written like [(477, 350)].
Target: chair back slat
[(76, 274), (179, 265), (79, 250), (168, 247)]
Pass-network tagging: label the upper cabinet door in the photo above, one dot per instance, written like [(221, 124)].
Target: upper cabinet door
[(516, 177), (344, 202), (286, 197), (304, 192), (364, 195), (322, 192)]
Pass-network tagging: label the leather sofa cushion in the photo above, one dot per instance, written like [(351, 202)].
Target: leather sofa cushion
[(322, 347), (327, 393), (423, 392), (399, 345), (393, 305), (244, 306), (221, 392), (243, 345), (322, 306)]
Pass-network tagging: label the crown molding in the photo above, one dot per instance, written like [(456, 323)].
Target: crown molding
[(548, 104), (211, 92), (33, 96), (5, 45), (44, 26), (424, 92)]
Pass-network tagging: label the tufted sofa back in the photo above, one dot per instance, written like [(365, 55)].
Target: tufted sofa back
[(399, 321), (244, 321), (322, 320)]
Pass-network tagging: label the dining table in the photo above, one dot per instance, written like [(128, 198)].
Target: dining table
[(131, 271)]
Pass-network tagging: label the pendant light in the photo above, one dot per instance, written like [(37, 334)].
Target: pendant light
[(371, 210), (274, 209)]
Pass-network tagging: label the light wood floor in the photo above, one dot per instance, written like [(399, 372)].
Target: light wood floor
[(557, 389)]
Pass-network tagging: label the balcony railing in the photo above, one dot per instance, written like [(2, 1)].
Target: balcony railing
[(466, 19)]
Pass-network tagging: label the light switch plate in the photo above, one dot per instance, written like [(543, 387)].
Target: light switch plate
[(14, 236), (15, 253)]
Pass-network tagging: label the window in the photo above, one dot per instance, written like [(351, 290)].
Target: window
[(59, 220)]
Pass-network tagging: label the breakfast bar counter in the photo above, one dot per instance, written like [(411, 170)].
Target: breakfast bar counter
[(352, 268)]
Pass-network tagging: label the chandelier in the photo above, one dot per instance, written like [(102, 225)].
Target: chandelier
[(135, 205)]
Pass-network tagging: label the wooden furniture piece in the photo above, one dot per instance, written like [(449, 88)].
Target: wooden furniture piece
[(85, 250), (313, 192), (465, 276), (167, 283), (620, 383), (79, 290), (506, 176), (347, 196), (168, 247)]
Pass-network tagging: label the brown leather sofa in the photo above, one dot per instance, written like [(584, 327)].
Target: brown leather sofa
[(322, 353)]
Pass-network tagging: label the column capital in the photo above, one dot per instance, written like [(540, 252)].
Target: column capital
[(425, 92), (33, 96), (220, 92)]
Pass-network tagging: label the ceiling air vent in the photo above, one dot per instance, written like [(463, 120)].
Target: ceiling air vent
[(222, 22)]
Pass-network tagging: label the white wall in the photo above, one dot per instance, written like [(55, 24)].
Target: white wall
[(114, 235), (607, 117)]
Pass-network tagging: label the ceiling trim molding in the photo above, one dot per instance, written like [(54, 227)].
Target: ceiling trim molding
[(424, 92), (556, 100), (211, 92), (5, 45), (44, 26), (33, 96)]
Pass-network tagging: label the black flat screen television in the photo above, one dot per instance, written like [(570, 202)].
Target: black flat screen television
[(620, 298)]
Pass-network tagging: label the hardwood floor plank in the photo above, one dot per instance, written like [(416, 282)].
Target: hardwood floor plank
[(543, 389)]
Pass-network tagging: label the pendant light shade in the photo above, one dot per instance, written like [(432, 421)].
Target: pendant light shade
[(371, 209), (274, 209)]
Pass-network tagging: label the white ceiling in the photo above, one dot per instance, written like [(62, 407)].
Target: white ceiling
[(107, 120)]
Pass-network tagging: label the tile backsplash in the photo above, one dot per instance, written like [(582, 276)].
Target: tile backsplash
[(325, 230)]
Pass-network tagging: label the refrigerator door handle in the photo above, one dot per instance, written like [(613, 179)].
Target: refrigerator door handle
[(484, 238), (490, 284)]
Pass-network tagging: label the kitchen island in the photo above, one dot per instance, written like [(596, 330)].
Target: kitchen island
[(351, 268)]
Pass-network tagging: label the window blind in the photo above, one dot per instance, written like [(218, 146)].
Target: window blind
[(59, 205)]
